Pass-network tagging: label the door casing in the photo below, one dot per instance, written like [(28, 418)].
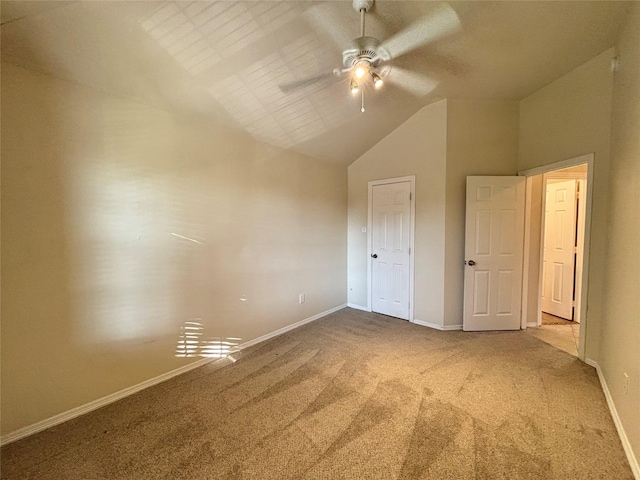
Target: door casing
[(412, 181)]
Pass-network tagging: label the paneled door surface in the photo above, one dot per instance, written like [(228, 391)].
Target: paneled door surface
[(494, 234), (559, 248), (390, 255)]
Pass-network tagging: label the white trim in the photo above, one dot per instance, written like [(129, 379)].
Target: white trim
[(113, 397), (358, 307), (532, 324), (437, 326), (633, 461), (412, 182), (293, 326), (589, 159), (101, 402)]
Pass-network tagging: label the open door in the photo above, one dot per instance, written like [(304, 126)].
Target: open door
[(559, 258), (494, 237)]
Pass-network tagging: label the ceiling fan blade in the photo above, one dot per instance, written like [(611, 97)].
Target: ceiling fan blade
[(289, 87), (330, 23), (440, 22), (412, 82)]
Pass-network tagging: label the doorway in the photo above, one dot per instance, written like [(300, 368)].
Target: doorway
[(557, 220)]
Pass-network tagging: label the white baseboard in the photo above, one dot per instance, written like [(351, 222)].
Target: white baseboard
[(282, 330), (101, 402), (358, 307), (437, 326), (633, 461), (532, 324)]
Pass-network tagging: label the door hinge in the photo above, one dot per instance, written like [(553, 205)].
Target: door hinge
[(409, 250), (410, 195)]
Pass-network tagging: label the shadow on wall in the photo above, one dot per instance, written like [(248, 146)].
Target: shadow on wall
[(121, 222), (138, 239)]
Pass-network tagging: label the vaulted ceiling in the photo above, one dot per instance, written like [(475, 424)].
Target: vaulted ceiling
[(225, 60)]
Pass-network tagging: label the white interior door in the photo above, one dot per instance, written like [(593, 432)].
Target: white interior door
[(494, 235), (558, 264), (390, 254)]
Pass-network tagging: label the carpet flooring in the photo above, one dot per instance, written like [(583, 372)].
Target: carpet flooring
[(353, 395)]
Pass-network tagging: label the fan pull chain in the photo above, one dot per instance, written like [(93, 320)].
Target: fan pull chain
[(362, 100)]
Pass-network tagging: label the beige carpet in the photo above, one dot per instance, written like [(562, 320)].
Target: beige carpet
[(353, 395)]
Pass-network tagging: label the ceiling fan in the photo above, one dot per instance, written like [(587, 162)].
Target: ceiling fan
[(367, 60)]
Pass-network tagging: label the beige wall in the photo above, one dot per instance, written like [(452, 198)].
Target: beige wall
[(121, 222), (566, 119), (482, 139), (417, 147), (620, 338)]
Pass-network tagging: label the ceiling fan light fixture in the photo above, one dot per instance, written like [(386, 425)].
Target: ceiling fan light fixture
[(361, 69), (368, 58), (377, 81), (353, 86)]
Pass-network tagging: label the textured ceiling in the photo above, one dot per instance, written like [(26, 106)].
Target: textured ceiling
[(225, 60)]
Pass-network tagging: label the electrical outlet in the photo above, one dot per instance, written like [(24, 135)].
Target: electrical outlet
[(625, 384), (301, 298)]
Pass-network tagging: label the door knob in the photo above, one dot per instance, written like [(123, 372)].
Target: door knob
[(471, 263), (374, 255)]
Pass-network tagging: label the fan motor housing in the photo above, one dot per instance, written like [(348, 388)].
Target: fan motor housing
[(368, 50)]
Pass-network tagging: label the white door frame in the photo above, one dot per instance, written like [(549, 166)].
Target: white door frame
[(582, 310), (412, 202)]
